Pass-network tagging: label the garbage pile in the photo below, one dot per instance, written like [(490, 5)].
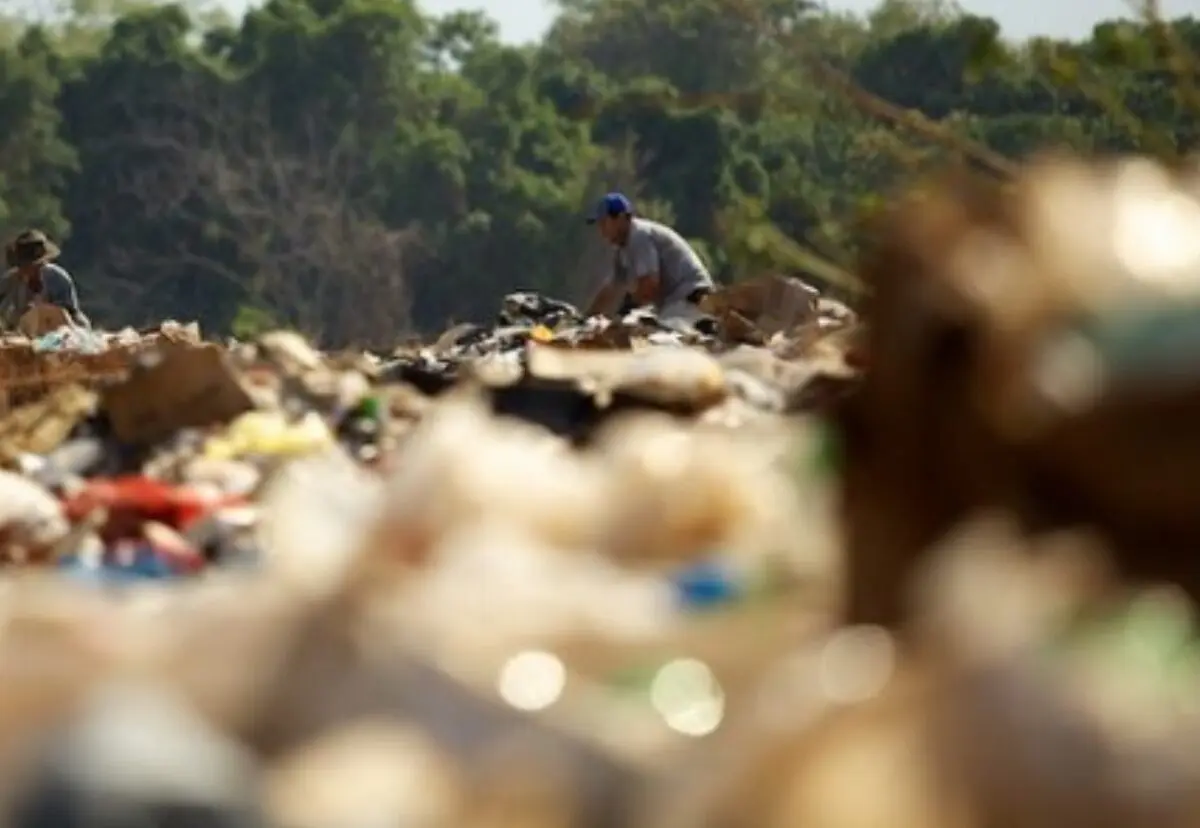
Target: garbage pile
[(31, 367), (543, 362), (771, 566)]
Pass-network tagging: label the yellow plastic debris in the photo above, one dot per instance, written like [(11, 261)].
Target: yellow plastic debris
[(269, 433)]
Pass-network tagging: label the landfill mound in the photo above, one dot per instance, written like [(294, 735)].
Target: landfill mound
[(777, 564), (33, 366)]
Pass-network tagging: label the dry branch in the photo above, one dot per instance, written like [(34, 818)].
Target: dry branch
[(305, 251)]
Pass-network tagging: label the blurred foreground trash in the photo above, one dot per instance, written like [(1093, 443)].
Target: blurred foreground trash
[(1029, 351), (134, 756)]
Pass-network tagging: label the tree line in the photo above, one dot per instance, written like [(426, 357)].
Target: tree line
[(359, 169)]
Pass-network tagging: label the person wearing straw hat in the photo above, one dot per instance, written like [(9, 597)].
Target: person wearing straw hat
[(653, 265), (33, 279)]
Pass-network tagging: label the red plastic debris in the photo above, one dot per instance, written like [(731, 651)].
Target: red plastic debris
[(131, 501)]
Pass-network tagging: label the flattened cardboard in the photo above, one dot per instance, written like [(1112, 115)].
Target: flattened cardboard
[(772, 303), (189, 387)]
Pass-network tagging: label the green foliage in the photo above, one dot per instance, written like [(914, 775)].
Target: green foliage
[(35, 161), (357, 167), (250, 322)]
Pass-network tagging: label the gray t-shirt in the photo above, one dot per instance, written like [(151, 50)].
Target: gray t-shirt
[(655, 248)]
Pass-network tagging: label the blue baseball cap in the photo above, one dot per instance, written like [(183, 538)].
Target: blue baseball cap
[(613, 204)]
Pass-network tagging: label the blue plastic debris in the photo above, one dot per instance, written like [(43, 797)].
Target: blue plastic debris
[(145, 564), (705, 585)]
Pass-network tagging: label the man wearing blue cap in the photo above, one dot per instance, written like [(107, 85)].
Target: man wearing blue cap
[(653, 264)]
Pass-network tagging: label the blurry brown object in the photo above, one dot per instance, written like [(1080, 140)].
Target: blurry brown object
[(28, 376), (735, 327), (987, 386), (40, 427), (772, 303), (184, 387), (42, 319)]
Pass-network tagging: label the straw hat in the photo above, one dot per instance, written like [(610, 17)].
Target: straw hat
[(30, 248)]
